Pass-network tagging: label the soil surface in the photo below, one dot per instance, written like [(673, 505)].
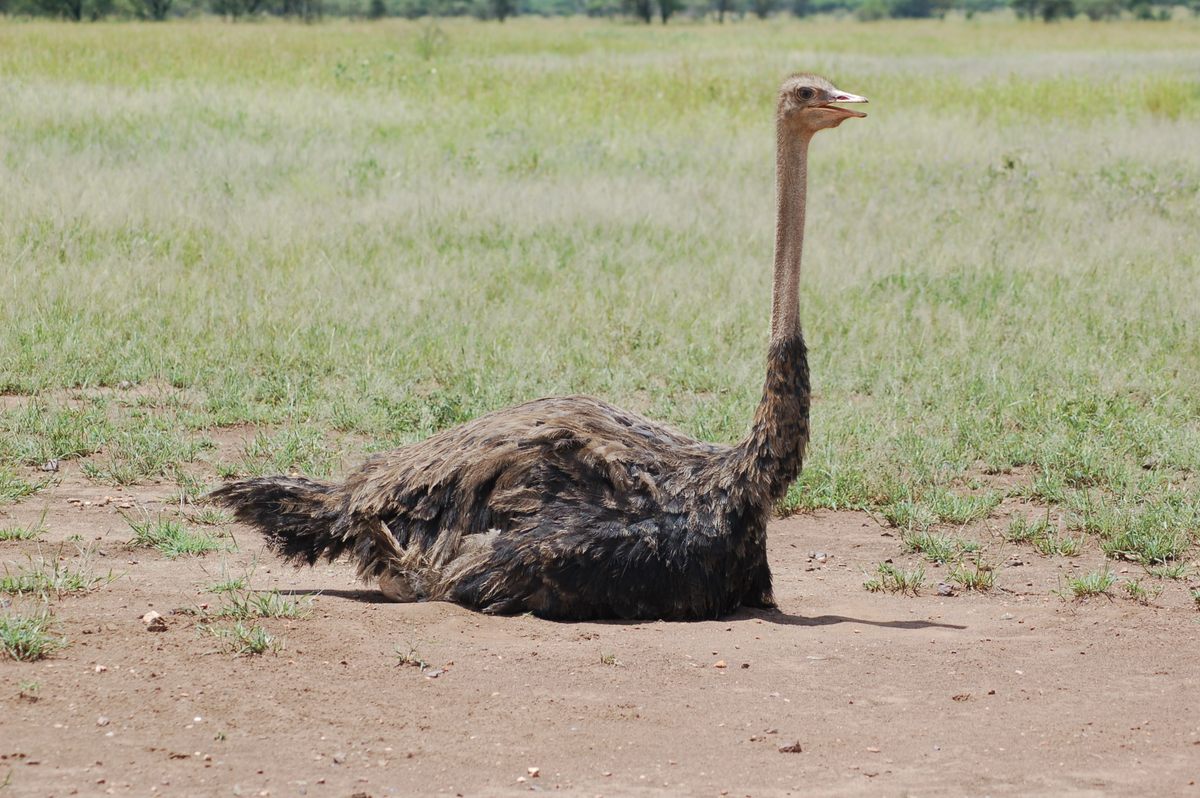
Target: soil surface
[(843, 692)]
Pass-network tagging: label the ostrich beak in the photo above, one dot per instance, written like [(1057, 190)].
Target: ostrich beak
[(839, 96)]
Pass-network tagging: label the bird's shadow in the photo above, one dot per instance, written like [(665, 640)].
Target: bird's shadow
[(767, 616), (787, 619)]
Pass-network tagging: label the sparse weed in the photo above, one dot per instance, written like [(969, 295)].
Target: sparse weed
[(170, 537), (978, 576), (245, 604), (212, 516), (938, 548), (1142, 595), (139, 452), (954, 509), (909, 515), (230, 585), (1022, 529), (1176, 570), (412, 657), (30, 691), (1195, 593), (890, 579), (52, 577), (1061, 545), (13, 488), (1146, 545), (243, 640), (1096, 583), (32, 532), (27, 636), (609, 659)]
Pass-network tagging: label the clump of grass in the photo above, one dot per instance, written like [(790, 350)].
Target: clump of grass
[(907, 514), (190, 488), (938, 548), (411, 658), (1062, 545), (1146, 545), (243, 640), (13, 488), (954, 509), (1154, 534), (51, 577), (1027, 530), (245, 604), (1176, 570), (171, 537), (32, 532), (609, 659), (1096, 583), (138, 453), (1042, 535), (890, 579), (230, 585), (1139, 593), (299, 449), (212, 516), (27, 636), (978, 576), (29, 691), (1196, 598)]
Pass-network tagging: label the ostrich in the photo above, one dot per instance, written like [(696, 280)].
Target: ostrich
[(570, 508)]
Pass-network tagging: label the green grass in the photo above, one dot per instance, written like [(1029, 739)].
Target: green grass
[(890, 579), (51, 577), (242, 640), (974, 576), (1043, 536), (27, 636), (13, 488), (242, 603), (171, 537), (349, 243), (1023, 529), (1173, 571), (1195, 594), (1140, 593), (31, 532), (1095, 583), (938, 548)]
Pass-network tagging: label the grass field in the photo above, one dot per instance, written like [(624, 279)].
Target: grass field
[(352, 235)]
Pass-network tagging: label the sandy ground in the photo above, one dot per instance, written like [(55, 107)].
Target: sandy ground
[(1017, 691)]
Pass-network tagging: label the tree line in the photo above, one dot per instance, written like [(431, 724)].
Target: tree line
[(647, 11)]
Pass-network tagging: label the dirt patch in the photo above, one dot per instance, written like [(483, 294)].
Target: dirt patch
[(1016, 691)]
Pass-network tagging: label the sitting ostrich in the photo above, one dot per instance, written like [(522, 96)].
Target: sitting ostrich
[(571, 508)]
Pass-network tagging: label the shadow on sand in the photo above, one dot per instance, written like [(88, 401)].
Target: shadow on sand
[(787, 619), (767, 616)]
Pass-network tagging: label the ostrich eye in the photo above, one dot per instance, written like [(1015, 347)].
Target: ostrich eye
[(807, 93)]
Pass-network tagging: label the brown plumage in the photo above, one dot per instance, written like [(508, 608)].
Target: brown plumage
[(569, 507)]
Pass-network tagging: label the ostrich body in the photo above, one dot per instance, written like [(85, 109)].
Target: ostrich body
[(571, 508)]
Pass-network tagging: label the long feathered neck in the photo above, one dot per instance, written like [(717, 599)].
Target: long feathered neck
[(769, 459)]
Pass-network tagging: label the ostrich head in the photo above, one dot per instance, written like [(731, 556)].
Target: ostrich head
[(806, 104)]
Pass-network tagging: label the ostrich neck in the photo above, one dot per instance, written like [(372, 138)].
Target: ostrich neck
[(771, 456), (791, 187)]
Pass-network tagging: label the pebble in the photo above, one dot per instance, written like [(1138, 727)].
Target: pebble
[(154, 622), (719, 664), (49, 465), (101, 721), (945, 589)]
